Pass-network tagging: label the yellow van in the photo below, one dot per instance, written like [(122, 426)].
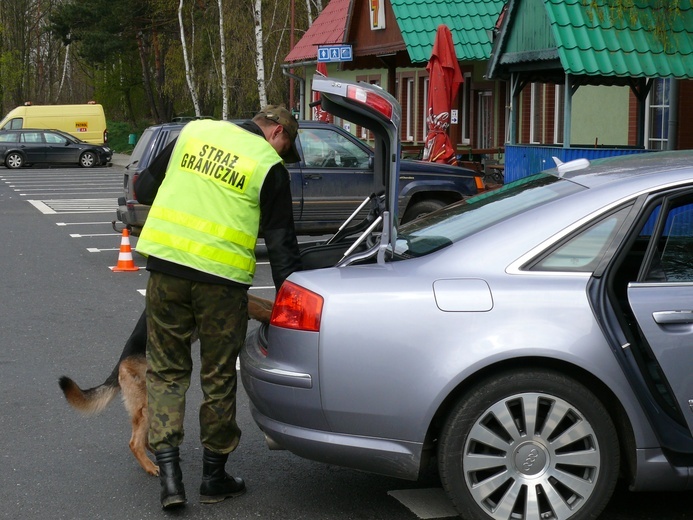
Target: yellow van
[(86, 122)]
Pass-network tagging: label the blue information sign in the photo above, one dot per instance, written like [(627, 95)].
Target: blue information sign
[(330, 53)]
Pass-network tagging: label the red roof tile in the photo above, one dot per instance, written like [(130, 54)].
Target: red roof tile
[(329, 28)]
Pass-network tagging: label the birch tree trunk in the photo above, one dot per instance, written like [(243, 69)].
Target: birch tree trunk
[(259, 53), (308, 13), (309, 10), (66, 66), (189, 69), (224, 83)]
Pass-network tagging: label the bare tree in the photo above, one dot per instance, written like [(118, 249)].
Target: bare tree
[(259, 53), (189, 67), (66, 67), (222, 58)]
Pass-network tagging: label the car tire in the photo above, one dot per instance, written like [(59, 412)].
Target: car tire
[(419, 209), (14, 160), (87, 160), (492, 466)]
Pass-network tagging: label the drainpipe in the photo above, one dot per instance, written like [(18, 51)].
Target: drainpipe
[(301, 82), (514, 105), (567, 110), (673, 128)]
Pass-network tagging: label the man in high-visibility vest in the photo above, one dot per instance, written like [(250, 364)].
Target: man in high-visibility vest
[(223, 183)]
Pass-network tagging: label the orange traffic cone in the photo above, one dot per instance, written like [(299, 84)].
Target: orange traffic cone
[(125, 261)]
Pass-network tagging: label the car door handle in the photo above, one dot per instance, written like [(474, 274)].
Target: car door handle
[(313, 176), (669, 317)]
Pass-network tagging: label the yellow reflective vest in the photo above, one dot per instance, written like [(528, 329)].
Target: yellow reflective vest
[(206, 214)]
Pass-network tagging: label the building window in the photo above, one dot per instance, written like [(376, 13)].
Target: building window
[(559, 113), (535, 109), (485, 119), (410, 107), (657, 115)]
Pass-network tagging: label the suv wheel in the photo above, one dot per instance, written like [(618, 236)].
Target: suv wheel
[(87, 159), (419, 209), (14, 160), (529, 445)]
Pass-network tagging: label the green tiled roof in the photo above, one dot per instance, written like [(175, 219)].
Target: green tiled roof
[(600, 41), (468, 20)]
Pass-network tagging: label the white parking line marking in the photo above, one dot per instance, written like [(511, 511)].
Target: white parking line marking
[(426, 503), (109, 192), (77, 235), (71, 206), (42, 207), (81, 223)]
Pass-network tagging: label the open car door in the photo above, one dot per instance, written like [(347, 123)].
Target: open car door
[(662, 303)]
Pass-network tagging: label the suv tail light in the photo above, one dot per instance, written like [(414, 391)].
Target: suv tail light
[(134, 180), (297, 308)]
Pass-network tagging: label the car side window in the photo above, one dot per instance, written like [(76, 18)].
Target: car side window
[(31, 137), (674, 254), (13, 124), (54, 138), (11, 137), (584, 251), (325, 148)]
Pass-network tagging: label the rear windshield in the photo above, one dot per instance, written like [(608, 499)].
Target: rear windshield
[(141, 146), (458, 221)]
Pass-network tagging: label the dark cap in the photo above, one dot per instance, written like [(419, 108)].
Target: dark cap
[(280, 114)]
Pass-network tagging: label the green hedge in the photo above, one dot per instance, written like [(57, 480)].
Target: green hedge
[(119, 135)]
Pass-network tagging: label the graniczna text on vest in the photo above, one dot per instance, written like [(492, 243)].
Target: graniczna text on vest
[(225, 167)]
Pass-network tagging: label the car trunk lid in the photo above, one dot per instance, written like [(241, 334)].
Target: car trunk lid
[(375, 109)]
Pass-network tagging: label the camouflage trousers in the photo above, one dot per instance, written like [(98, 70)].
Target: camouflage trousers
[(176, 306)]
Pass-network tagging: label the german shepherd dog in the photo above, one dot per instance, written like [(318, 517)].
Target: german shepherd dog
[(129, 377)]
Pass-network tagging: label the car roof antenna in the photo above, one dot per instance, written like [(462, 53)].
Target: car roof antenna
[(575, 164)]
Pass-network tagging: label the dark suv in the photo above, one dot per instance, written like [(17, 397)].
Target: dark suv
[(334, 175)]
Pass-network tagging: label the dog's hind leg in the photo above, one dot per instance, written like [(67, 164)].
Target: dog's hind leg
[(133, 387)]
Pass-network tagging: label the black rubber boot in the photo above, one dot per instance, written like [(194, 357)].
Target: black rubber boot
[(216, 483), (171, 478)]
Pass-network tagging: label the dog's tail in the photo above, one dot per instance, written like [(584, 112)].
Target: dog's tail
[(96, 399), (92, 400)]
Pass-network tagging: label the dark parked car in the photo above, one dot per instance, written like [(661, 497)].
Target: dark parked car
[(335, 174), (536, 341), (28, 146)]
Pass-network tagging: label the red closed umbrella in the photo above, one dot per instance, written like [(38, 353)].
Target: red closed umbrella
[(444, 81), (318, 113)]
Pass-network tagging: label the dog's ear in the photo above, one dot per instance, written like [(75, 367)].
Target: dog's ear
[(259, 309)]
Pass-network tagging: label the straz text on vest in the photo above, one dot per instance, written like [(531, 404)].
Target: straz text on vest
[(215, 163)]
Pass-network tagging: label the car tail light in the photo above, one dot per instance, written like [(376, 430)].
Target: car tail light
[(297, 308), (134, 180), (370, 98)]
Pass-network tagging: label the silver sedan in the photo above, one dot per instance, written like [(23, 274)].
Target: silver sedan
[(537, 341)]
